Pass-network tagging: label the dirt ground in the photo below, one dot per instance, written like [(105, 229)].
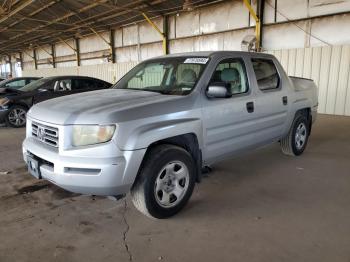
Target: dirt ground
[(262, 206)]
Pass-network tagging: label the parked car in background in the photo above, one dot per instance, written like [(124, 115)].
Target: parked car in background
[(165, 120), (16, 83), (14, 103)]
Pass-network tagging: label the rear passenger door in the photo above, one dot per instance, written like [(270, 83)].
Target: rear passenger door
[(271, 101), (229, 123)]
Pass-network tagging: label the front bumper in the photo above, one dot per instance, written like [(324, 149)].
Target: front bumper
[(96, 170)]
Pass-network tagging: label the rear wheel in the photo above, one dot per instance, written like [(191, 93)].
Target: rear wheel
[(165, 182), (295, 142), (16, 116)]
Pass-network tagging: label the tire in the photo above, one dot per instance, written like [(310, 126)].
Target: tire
[(165, 182), (16, 117), (295, 142)]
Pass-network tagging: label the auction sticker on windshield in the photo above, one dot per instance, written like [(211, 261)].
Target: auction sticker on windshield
[(196, 60)]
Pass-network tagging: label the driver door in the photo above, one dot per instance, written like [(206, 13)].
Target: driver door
[(229, 123)]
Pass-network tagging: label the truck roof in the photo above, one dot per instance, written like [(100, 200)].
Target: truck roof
[(215, 53)]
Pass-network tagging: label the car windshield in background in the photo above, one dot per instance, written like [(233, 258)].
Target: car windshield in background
[(35, 85), (4, 82), (174, 76)]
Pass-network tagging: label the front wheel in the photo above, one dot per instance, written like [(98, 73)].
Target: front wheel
[(16, 116), (165, 182), (295, 142)]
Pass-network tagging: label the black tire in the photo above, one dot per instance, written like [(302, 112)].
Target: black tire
[(21, 121), (143, 193), (290, 144)]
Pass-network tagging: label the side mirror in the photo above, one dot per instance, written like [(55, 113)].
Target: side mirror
[(219, 90)]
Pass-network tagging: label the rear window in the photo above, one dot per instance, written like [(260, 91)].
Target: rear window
[(266, 74)]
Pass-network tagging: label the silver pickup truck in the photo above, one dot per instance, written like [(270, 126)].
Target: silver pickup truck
[(164, 121)]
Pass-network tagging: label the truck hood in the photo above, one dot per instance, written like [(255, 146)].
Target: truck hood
[(101, 107)]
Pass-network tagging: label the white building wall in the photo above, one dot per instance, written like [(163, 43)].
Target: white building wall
[(222, 27)]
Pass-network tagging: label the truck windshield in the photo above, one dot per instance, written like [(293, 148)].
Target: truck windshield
[(173, 76)]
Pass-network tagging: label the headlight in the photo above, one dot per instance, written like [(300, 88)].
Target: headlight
[(4, 101), (92, 134)]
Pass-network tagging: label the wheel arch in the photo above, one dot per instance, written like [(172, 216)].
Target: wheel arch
[(307, 113), (188, 141), (19, 104)]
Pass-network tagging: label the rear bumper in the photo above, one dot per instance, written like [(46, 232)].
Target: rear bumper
[(110, 173)]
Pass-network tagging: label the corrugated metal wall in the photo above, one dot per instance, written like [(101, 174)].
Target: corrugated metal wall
[(329, 67)]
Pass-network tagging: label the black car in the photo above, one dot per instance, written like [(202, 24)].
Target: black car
[(14, 103), (17, 82)]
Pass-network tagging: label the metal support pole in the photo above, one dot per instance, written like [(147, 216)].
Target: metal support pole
[(10, 61), (77, 50), (112, 45), (35, 60), (21, 60), (261, 7), (67, 44), (53, 55), (257, 22), (164, 36)]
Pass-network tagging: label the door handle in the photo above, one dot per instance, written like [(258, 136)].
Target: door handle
[(250, 107), (285, 100)]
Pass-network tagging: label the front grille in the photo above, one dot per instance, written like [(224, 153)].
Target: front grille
[(46, 134)]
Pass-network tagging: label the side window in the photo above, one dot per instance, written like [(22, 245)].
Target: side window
[(232, 72), (63, 85), (80, 84), (266, 74)]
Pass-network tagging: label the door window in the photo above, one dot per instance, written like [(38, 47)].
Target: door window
[(80, 84), (266, 74), (232, 72)]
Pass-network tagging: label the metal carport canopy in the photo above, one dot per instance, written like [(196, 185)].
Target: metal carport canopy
[(29, 24)]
